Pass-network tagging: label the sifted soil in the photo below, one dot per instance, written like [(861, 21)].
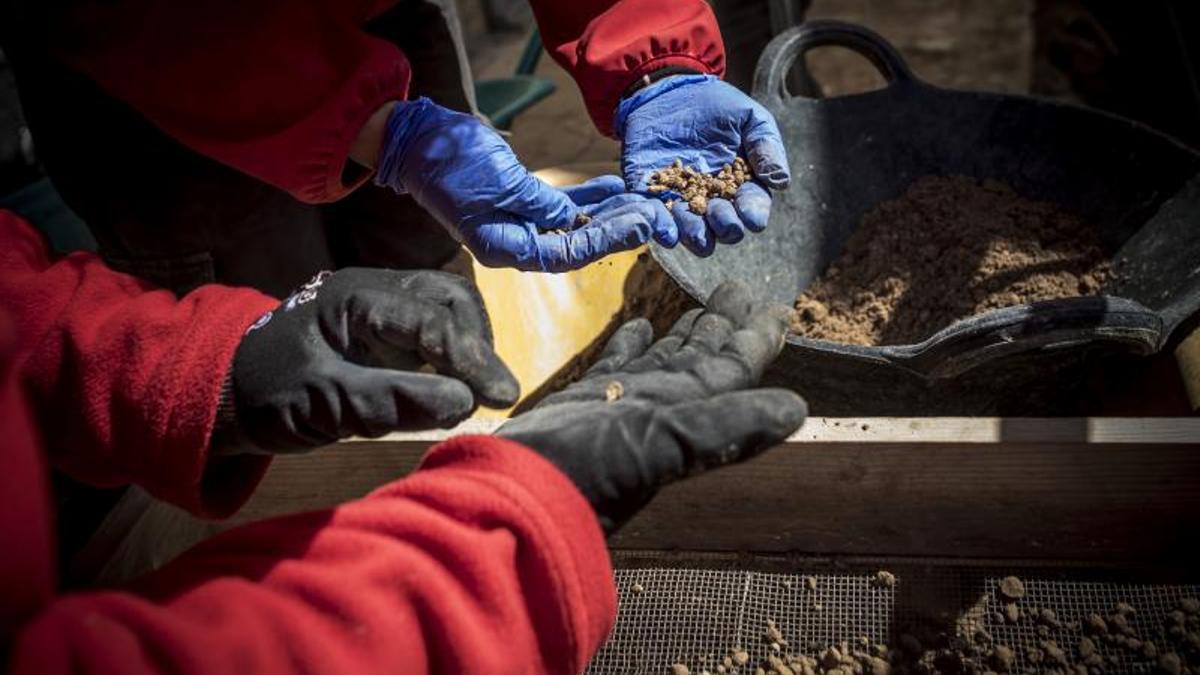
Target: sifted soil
[(947, 249), (697, 187)]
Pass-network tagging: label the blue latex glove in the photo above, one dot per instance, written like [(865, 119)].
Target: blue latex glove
[(706, 123), (464, 174), (620, 221)]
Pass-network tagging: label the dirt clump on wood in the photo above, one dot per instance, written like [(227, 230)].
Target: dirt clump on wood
[(947, 249)]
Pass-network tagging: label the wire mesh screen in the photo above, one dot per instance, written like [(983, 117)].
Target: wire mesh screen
[(920, 619)]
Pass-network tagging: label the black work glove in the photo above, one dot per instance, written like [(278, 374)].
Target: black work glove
[(646, 415), (338, 358)]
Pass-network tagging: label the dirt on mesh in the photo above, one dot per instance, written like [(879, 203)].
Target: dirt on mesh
[(948, 248)]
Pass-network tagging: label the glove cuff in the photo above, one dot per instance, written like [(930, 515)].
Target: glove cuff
[(656, 75), (649, 92), (400, 128), (224, 433)]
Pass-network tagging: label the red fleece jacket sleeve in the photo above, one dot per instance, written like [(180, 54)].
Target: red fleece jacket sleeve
[(277, 89), (607, 44), (486, 560), (124, 379)]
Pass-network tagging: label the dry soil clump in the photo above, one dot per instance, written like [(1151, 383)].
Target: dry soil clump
[(698, 187), (948, 248)]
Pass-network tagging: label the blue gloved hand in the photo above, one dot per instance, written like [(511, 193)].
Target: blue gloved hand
[(706, 123), (464, 174), (616, 221)]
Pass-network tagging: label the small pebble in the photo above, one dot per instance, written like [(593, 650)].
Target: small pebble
[(1048, 617), (877, 666), (831, 658), (885, 579), (1002, 658), (1012, 613), (1012, 588), (1054, 652), (1095, 624), (680, 669), (638, 588), (614, 391), (1120, 624)]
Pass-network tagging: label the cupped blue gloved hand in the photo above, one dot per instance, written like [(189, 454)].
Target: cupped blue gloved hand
[(616, 221), (706, 123), (464, 174)]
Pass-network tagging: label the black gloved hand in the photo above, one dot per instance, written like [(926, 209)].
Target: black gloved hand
[(337, 357), (644, 416)]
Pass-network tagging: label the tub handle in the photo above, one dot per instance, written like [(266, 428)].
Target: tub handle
[(789, 46)]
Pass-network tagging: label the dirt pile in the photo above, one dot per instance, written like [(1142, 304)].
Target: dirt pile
[(697, 187), (948, 248), (1091, 644)]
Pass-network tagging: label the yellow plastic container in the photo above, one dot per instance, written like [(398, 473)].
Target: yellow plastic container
[(542, 321)]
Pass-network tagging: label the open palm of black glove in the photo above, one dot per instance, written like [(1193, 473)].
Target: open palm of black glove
[(648, 414), (340, 356)]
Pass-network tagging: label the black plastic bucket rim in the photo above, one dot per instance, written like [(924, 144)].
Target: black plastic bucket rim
[(1063, 324)]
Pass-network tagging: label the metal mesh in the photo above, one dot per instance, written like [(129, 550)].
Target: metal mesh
[(698, 616)]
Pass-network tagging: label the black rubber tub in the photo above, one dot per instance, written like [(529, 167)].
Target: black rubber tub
[(848, 154)]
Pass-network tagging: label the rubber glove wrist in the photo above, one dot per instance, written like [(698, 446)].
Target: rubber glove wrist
[(401, 125), (646, 94)]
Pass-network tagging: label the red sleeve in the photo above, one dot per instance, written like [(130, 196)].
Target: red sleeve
[(277, 89), (487, 560), (607, 44), (124, 379)]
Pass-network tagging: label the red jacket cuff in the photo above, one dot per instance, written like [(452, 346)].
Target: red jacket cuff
[(561, 528), (207, 486), (626, 40)]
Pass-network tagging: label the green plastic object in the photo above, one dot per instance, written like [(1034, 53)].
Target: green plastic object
[(502, 99)]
